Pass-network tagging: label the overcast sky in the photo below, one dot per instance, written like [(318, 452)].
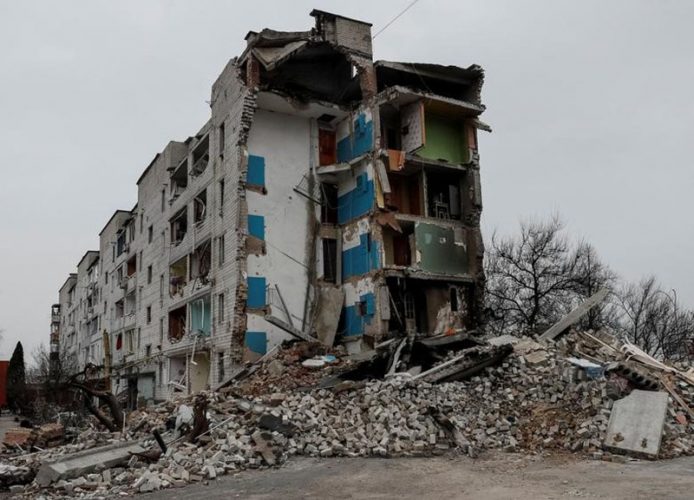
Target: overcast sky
[(591, 105)]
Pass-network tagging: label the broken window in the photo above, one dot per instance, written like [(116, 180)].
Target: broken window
[(221, 197), (200, 207), (132, 265), (148, 350), (130, 341), (179, 226), (328, 203), (221, 250), (120, 276), (200, 315), (150, 234), (220, 308), (130, 303), (149, 314), (177, 324), (200, 263), (131, 231), (149, 274), (178, 276), (179, 179), (443, 195), (119, 309), (329, 260), (201, 157), (120, 242), (221, 134), (327, 147)]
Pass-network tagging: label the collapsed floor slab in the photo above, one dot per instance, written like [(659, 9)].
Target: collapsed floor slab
[(85, 462), (636, 423)]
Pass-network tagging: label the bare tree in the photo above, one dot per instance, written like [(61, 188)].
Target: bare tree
[(590, 275), (531, 278), (50, 372), (652, 319)]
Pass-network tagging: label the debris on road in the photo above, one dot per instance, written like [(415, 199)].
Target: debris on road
[(406, 398)]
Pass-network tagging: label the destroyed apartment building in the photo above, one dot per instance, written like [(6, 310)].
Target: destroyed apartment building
[(334, 202), (327, 197)]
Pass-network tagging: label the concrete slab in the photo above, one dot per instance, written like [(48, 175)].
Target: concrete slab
[(503, 340), (575, 315), (330, 302), (78, 464), (636, 424)]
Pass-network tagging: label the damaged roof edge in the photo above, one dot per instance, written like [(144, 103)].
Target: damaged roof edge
[(86, 255), (115, 214), (70, 277), (321, 13), (391, 93), (450, 73), (147, 169)]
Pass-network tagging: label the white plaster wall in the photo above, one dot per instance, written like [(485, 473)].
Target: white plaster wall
[(354, 290), (346, 126), (285, 143)]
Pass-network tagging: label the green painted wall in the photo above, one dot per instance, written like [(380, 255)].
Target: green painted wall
[(445, 140), (438, 251)]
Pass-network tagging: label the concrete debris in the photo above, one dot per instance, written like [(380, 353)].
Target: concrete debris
[(575, 315), (267, 417), (636, 423), (45, 436), (11, 476), (78, 464), (184, 419)]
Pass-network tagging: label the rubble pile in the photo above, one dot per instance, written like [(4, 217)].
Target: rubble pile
[(284, 371), (45, 436), (533, 398)]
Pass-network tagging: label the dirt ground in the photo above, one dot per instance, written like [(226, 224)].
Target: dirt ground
[(495, 476)]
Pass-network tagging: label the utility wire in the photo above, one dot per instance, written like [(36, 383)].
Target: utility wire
[(396, 17)]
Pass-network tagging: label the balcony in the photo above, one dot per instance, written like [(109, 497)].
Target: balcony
[(130, 283), (179, 180), (201, 157)]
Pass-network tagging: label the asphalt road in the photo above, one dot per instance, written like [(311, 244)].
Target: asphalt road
[(498, 476)]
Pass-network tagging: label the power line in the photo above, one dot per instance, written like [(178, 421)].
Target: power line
[(396, 17)]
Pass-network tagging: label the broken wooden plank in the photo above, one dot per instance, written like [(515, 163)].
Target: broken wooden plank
[(669, 388), (575, 315)]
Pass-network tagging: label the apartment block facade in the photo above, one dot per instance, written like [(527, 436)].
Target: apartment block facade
[(328, 196)]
